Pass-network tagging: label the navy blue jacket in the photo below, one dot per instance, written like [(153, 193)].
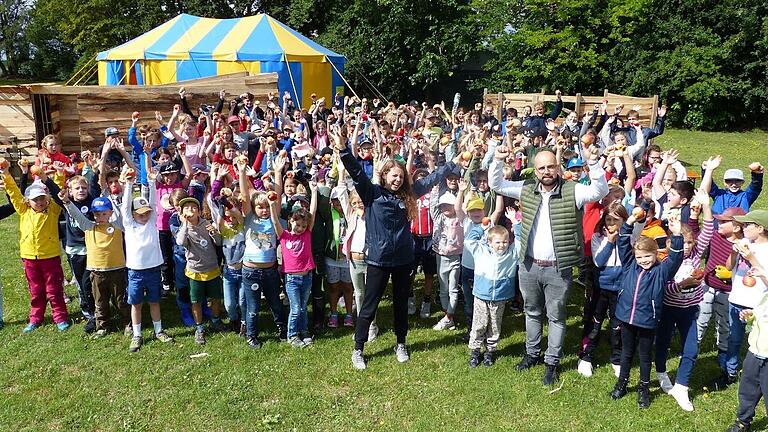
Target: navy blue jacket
[(648, 133), (387, 229), (642, 291), (540, 122)]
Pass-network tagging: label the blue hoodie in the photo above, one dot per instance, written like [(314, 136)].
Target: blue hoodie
[(495, 273), (642, 291)]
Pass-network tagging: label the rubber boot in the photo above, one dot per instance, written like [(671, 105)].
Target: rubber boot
[(185, 313)]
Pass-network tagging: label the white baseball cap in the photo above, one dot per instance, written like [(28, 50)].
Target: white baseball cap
[(733, 174)]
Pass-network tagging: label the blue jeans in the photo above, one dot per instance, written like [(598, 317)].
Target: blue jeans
[(298, 288), (254, 281), (234, 295), (684, 319), (467, 281), (735, 338), (181, 279)]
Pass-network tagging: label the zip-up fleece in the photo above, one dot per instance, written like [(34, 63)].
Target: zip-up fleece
[(494, 274), (642, 291)]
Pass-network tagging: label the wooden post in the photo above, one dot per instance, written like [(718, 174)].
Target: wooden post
[(654, 112), (578, 106), (500, 108)]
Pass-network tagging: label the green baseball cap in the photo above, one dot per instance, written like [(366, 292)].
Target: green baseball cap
[(759, 217)]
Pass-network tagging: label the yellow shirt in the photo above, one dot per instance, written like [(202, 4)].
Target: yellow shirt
[(105, 248), (38, 231)]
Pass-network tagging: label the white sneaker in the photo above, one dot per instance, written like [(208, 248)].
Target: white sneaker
[(616, 369), (585, 368), (411, 306), (358, 362), (664, 382), (680, 393), (401, 352), (373, 332), (425, 312), (445, 324)]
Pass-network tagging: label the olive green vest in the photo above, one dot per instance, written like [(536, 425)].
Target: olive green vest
[(565, 221)]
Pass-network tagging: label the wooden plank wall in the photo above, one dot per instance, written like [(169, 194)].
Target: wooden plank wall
[(582, 104), (17, 123)]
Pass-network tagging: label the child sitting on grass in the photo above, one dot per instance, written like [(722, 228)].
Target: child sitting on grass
[(639, 303), (106, 261), (494, 285), (39, 248), (200, 238)]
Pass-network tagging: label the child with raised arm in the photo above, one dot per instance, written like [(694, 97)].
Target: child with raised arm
[(470, 218), (39, 249), (142, 240), (639, 303), (296, 249), (494, 284), (200, 238), (680, 308), (106, 261)]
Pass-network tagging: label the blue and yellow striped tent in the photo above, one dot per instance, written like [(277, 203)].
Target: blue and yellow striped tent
[(189, 47)]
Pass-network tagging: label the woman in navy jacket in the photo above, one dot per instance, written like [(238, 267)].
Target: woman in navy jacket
[(389, 207), (639, 303)]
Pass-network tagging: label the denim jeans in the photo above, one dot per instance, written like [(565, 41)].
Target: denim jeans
[(684, 319), (253, 281), (181, 279), (735, 338), (234, 295), (298, 288)]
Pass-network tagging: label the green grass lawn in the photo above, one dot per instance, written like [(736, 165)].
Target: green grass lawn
[(65, 381)]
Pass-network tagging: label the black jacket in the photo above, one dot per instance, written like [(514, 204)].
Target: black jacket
[(387, 228)]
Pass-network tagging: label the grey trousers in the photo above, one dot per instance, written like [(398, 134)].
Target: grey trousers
[(714, 305), (357, 270), (486, 324), (544, 290), (448, 272)]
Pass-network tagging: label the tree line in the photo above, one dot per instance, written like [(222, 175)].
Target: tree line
[(706, 59)]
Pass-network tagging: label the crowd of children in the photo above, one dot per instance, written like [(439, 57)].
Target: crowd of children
[(275, 202)]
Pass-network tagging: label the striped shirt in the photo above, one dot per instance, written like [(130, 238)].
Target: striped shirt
[(422, 226), (719, 251), (678, 296)]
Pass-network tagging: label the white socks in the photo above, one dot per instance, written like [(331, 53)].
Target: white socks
[(664, 381), (137, 330), (158, 326)]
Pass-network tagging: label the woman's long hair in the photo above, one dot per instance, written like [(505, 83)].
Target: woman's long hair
[(405, 192)]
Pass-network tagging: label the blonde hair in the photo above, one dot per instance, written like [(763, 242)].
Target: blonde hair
[(646, 244)]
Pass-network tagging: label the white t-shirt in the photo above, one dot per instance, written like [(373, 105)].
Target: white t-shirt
[(741, 294)]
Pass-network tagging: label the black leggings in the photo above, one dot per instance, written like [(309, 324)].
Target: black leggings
[(166, 248), (375, 284), (633, 337), (603, 306)]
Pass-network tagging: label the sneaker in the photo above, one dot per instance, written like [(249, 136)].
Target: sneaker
[(466, 337), (425, 312), (585, 368), (643, 395), (358, 361), (63, 326), (664, 382), (99, 334), (254, 343), (474, 358), (528, 362), (401, 352), (282, 333), (166, 291), (162, 336), (90, 326), (488, 358), (680, 393), (30, 328), (616, 369), (296, 342), (411, 306), (738, 427), (445, 324), (373, 332), (128, 331), (551, 375), (136, 343), (620, 389), (333, 321), (348, 321), (242, 329), (217, 326), (200, 336), (307, 339)]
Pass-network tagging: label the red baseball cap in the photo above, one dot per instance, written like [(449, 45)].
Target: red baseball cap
[(729, 213), (233, 118)]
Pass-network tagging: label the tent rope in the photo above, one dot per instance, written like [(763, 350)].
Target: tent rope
[(293, 84), (342, 77), (77, 74), (370, 84)]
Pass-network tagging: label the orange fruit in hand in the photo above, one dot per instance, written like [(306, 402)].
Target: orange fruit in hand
[(638, 213), (486, 221), (749, 281), (4, 164), (568, 175), (272, 196), (467, 156), (135, 115), (587, 139)]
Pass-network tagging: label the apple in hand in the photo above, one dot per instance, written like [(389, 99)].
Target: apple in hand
[(749, 281), (272, 196), (638, 213)]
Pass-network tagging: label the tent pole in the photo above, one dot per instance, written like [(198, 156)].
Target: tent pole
[(88, 63), (370, 84), (342, 77), (293, 84)]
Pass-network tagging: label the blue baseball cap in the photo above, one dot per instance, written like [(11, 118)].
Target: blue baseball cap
[(100, 204), (575, 163)]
